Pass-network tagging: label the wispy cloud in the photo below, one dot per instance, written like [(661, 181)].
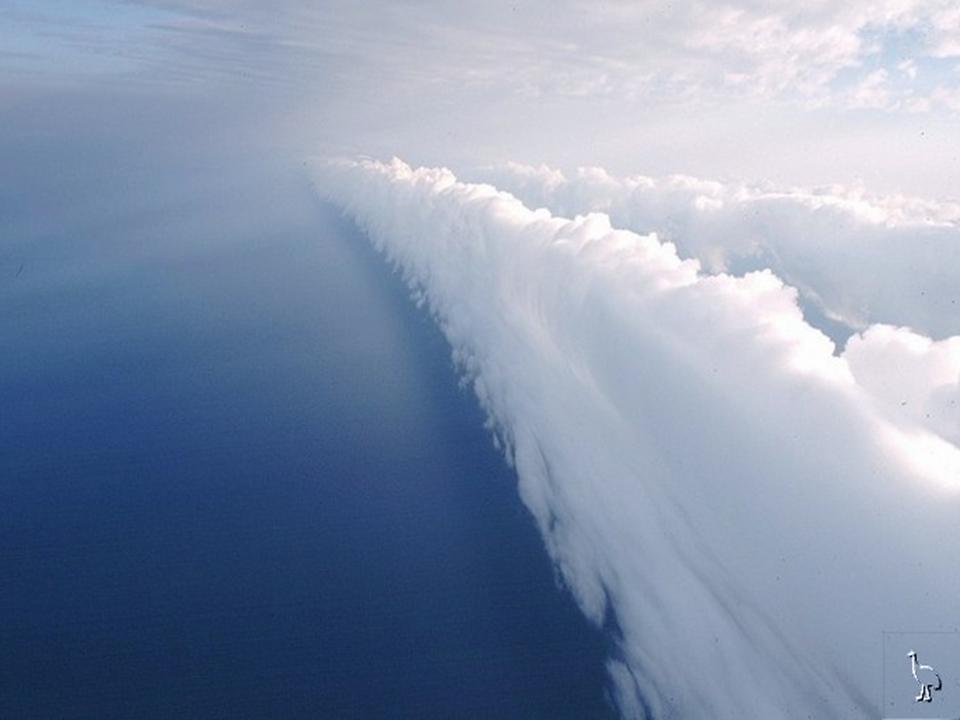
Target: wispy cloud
[(759, 90), (680, 52)]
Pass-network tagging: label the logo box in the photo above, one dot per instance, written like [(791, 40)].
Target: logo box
[(921, 676)]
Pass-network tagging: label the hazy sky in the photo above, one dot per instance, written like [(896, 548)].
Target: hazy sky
[(807, 93)]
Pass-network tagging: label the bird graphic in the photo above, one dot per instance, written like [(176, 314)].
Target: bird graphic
[(926, 677)]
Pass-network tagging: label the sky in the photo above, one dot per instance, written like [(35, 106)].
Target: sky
[(699, 263), (796, 94)]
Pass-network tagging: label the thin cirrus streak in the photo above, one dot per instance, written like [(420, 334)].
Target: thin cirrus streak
[(861, 259), (743, 509)]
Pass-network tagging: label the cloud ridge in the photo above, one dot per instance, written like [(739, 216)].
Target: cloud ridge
[(859, 258), (748, 509)]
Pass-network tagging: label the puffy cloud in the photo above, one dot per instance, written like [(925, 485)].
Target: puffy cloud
[(910, 376), (747, 510), (872, 91), (860, 259), (944, 30)]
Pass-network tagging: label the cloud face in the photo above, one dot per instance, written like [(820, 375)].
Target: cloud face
[(910, 376), (860, 259), (745, 509)]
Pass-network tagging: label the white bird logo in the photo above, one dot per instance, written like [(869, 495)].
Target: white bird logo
[(926, 677)]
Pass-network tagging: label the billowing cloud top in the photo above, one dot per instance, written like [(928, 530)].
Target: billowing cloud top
[(859, 259), (744, 508)]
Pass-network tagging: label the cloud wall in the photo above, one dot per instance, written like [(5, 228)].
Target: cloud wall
[(859, 258), (743, 509)]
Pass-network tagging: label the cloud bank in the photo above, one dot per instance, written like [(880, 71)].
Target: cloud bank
[(743, 509), (859, 259)]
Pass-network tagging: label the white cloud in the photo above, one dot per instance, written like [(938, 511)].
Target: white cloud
[(860, 258), (908, 67), (872, 91), (910, 376), (944, 28), (752, 509), (947, 97)]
